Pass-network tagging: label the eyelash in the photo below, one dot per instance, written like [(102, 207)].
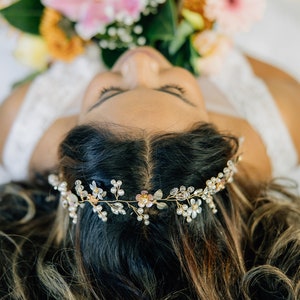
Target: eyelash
[(105, 90), (180, 89)]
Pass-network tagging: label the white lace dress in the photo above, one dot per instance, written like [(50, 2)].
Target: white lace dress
[(237, 92)]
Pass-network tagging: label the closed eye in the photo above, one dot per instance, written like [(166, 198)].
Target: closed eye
[(110, 91), (114, 90), (176, 90), (173, 89)]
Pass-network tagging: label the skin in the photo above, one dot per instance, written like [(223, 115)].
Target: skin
[(146, 96)]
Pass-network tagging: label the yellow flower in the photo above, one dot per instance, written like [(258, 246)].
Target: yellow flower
[(198, 6), (59, 44), (32, 51), (195, 19)]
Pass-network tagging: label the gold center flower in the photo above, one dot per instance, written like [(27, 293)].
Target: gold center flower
[(61, 46)]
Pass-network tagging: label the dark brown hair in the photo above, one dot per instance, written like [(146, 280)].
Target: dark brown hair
[(248, 250)]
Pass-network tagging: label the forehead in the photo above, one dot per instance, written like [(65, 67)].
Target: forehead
[(146, 109)]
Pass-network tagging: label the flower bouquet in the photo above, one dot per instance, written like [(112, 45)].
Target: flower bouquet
[(194, 34)]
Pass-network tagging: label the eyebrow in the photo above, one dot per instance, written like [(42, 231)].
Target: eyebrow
[(101, 101)]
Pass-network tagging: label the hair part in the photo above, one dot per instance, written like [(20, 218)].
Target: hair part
[(249, 250)]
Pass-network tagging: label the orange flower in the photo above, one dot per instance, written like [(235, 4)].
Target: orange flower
[(198, 7), (194, 5), (60, 45)]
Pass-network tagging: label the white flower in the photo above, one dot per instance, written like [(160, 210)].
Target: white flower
[(195, 208), (97, 192)]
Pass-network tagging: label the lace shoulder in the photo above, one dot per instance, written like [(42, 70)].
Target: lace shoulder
[(56, 93), (252, 100)]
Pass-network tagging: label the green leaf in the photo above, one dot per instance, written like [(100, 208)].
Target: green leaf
[(183, 31), (24, 15), (184, 58), (161, 26)]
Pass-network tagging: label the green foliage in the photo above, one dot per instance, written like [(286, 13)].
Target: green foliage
[(157, 28), (183, 31), (163, 33), (161, 26), (170, 38), (24, 15), (109, 57)]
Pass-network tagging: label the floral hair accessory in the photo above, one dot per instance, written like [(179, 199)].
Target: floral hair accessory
[(187, 199), (176, 28)]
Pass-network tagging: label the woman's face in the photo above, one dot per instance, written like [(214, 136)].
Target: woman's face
[(144, 90)]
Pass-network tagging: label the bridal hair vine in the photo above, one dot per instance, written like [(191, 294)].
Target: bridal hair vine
[(188, 199)]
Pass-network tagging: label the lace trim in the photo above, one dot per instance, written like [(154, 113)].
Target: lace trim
[(253, 101), (52, 94)]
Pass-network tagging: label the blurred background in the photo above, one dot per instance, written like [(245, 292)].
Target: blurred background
[(275, 39)]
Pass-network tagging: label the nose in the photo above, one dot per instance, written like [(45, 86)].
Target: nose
[(141, 67), (140, 70)]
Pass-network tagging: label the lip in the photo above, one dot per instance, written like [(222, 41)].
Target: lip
[(148, 51)]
